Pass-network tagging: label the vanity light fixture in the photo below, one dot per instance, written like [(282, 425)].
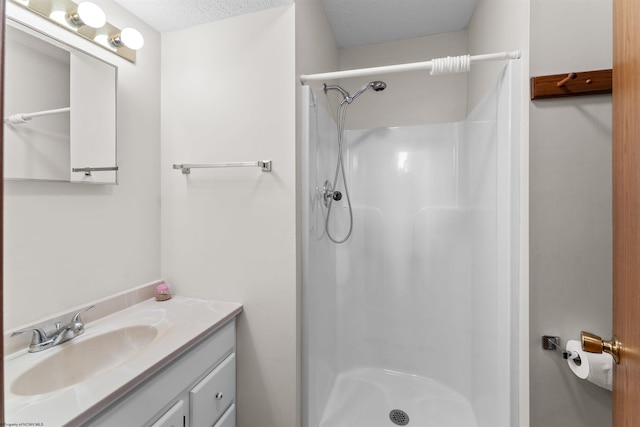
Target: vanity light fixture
[(89, 21), (129, 37), (88, 14)]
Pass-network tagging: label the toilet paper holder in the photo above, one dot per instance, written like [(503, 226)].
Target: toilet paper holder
[(550, 342)]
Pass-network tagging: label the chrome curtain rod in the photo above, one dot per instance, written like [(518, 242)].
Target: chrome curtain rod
[(19, 118), (265, 165), (413, 66)]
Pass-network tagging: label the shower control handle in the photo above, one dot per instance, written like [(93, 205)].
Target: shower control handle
[(328, 193)]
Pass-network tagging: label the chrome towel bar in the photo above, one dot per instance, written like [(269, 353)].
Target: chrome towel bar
[(265, 165), (87, 171)]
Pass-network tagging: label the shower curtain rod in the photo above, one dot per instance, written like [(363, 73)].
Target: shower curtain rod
[(19, 118), (425, 65)]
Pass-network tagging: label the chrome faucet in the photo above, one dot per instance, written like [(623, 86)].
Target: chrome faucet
[(42, 341)]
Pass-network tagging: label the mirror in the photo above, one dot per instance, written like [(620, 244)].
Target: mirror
[(60, 110), (67, 243)]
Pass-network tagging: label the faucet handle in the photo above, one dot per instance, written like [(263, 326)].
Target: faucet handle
[(38, 338), (77, 318)]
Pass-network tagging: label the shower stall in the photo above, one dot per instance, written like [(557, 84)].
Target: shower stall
[(412, 320)]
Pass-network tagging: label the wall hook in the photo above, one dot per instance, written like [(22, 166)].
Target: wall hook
[(592, 82), (564, 81)]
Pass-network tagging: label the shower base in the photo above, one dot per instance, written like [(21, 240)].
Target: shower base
[(365, 397)]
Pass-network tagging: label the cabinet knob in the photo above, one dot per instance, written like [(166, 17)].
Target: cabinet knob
[(219, 396)]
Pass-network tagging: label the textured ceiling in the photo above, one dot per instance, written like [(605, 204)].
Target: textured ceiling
[(354, 22), (360, 22), (171, 15)]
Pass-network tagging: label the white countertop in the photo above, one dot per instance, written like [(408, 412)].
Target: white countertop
[(181, 322)]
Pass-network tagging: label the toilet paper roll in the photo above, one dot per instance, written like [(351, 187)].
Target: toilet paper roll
[(595, 368)]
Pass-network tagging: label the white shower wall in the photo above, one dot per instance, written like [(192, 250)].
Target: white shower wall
[(403, 276), (423, 286)]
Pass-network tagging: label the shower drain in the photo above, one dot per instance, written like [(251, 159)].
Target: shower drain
[(399, 417)]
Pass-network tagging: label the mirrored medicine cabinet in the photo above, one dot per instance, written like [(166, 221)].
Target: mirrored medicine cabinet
[(60, 110)]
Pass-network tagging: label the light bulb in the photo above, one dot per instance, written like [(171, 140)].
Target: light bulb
[(129, 37), (132, 38), (102, 39), (88, 14), (59, 16)]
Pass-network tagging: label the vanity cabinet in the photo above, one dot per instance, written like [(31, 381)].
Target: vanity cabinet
[(197, 389), (174, 417)]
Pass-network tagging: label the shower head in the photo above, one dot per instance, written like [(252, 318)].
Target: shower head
[(376, 85)]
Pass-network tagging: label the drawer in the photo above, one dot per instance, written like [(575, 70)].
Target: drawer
[(174, 417), (212, 396), (228, 419)]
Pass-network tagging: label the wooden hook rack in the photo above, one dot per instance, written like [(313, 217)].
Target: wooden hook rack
[(571, 84)]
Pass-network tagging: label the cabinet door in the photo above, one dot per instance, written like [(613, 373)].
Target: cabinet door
[(36, 79), (228, 419), (213, 395), (93, 119), (174, 417)]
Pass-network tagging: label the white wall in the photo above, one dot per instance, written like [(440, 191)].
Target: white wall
[(571, 236), (67, 244), (228, 94), (411, 98), (496, 26), (316, 47)]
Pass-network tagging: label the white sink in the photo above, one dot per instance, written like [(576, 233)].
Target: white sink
[(77, 361), (72, 382)]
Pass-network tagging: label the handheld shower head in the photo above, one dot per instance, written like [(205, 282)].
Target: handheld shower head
[(376, 85), (329, 193)]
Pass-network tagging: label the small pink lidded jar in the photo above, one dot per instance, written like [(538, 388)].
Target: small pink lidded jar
[(162, 292)]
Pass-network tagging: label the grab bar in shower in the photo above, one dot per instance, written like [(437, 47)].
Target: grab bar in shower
[(19, 118), (265, 165)]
